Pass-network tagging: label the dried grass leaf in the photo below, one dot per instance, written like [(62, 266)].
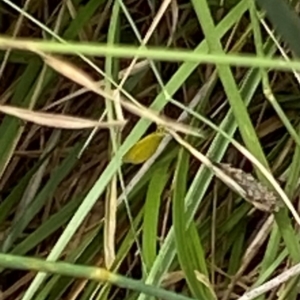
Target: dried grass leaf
[(55, 120)]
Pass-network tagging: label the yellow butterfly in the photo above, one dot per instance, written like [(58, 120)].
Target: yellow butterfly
[(144, 148)]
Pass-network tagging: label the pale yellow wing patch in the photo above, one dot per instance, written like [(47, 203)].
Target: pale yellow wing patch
[(144, 148)]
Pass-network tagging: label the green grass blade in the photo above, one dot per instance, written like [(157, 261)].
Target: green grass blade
[(11, 128), (234, 97), (285, 21), (188, 246), (203, 177), (172, 86), (57, 176), (53, 223), (151, 215), (237, 248), (98, 274), (12, 199)]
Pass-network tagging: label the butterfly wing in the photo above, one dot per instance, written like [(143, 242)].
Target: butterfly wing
[(143, 149)]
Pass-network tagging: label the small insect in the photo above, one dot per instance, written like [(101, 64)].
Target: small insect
[(144, 148), (256, 193)]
